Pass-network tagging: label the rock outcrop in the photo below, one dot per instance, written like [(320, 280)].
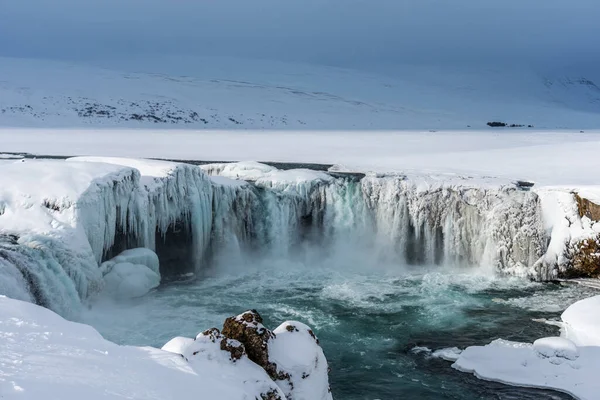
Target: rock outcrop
[(587, 208), (247, 328), (290, 355)]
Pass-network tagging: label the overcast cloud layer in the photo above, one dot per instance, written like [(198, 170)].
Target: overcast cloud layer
[(337, 32)]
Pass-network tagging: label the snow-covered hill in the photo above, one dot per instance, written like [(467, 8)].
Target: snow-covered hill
[(234, 94)]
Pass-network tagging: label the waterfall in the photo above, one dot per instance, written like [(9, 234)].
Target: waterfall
[(195, 218)]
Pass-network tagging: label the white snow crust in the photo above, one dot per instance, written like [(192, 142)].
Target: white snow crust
[(45, 356), (582, 322), (295, 350), (568, 364)]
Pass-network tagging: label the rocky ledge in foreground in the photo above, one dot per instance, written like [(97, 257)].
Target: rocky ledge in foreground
[(290, 355)]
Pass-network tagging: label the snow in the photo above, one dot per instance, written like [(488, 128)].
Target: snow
[(139, 256), (45, 356), (556, 347), (295, 349), (244, 94), (449, 354), (582, 322), (127, 280), (568, 364), (246, 170), (131, 274)]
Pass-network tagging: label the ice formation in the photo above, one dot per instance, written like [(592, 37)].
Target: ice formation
[(87, 210), (568, 363), (133, 273)]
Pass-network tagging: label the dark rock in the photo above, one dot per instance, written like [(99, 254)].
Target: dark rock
[(248, 329), (587, 208), (270, 395), (235, 349), (496, 124), (524, 185), (584, 259)]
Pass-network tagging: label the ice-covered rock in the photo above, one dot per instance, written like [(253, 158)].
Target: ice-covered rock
[(127, 280), (457, 221), (139, 256), (60, 217)]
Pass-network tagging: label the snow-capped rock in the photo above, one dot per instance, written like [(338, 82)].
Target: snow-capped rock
[(290, 354), (296, 351)]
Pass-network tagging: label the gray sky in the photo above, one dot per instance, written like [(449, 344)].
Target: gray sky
[(335, 32)]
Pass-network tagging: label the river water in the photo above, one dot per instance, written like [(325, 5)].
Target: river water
[(377, 325)]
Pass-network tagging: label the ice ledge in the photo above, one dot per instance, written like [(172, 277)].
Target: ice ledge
[(567, 364)]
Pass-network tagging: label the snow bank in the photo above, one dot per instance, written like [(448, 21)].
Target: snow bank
[(568, 364), (69, 360), (582, 322), (295, 349)]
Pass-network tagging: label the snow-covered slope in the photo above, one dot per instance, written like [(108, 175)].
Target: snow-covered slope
[(243, 94), (45, 356)]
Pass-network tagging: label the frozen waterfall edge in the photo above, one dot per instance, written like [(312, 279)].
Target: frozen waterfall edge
[(193, 216)]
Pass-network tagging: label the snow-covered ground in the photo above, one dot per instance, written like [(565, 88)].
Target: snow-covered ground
[(44, 356), (217, 93), (568, 363)]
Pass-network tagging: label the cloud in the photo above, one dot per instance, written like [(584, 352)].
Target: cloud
[(342, 32)]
